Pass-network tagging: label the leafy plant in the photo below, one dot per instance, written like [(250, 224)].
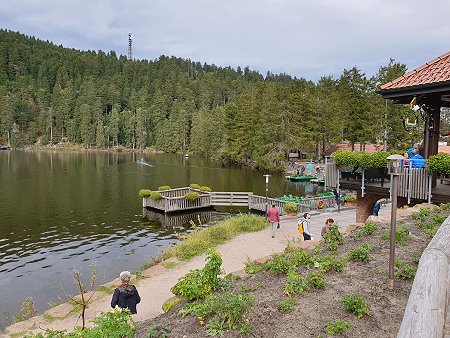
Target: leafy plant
[(158, 331), (296, 284), (401, 235), (338, 327), (144, 193), (192, 196), (315, 280), (327, 263), (358, 234), (195, 186), (290, 208), (298, 256), (350, 198), (155, 196), (171, 303), (355, 304), (286, 306), (199, 283), (360, 253), (27, 309), (226, 311), (278, 263), (404, 270), (205, 188), (252, 267), (164, 187), (333, 238), (369, 227), (440, 163)]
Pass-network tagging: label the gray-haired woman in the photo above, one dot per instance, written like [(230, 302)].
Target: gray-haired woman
[(126, 296)]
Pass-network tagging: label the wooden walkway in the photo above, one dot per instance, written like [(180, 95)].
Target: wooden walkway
[(173, 201)]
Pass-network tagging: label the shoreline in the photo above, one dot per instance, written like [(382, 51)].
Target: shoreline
[(154, 283)]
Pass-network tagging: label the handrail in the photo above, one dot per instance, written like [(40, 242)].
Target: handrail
[(426, 310)]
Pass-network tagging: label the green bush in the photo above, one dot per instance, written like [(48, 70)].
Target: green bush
[(338, 327), (401, 235), (205, 188), (333, 238), (350, 198), (440, 163), (404, 270), (355, 304), (370, 227), (355, 159), (192, 196), (115, 324), (315, 280), (199, 283), (279, 263), (164, 187), (357, 234), (252, 267), (296, 284), (290, 208), (360, 253), (327, 263), (195, 186), (144, 193), (298, 256), (155, 196), (286, 306), (225, 311)]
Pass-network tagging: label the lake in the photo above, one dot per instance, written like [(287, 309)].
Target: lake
[(67, 210)]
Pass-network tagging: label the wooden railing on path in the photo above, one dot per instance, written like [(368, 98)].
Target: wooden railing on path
[(426, 311)]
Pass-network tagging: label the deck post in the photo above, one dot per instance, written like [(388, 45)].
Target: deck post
[(430, 182), (362, 184), (409, 181)]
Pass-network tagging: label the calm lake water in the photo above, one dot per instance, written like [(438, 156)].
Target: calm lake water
[(66, 210)]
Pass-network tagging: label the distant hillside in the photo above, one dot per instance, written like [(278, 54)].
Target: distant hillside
[(51, 94)]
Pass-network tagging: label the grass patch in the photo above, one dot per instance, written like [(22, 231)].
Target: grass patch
[(198, 242), (109, 290), (169, 265)]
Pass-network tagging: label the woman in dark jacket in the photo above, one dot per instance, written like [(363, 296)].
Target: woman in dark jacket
[(126, 296)]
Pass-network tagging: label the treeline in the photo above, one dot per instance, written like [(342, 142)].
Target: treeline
[(50, 94)]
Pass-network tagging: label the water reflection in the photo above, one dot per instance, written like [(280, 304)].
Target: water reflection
[(65, 210)]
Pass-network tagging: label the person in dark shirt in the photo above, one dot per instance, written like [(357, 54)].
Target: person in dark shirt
[(126, 296)]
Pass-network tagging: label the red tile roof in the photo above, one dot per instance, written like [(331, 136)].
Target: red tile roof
[(434, 71), (444, 149), (370, 148)]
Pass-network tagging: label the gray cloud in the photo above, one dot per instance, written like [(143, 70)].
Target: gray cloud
[(303, 38)]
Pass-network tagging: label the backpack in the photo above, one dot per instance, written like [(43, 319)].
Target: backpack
[(300, 227)]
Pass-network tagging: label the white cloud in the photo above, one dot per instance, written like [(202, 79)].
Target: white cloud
[(304, 38)]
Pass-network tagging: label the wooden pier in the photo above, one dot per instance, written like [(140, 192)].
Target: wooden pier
[(173, 201)]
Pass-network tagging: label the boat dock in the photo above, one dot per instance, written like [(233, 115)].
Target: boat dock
[(173, 201)]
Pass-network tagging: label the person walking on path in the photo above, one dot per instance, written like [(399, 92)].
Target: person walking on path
[(307, 236), (328, 223), (126, 296), (273, 215)]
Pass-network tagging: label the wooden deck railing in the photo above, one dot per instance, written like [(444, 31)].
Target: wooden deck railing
[(426, 310), (233, 199)]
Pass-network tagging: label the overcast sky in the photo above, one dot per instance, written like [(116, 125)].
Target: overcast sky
[(302, 38)]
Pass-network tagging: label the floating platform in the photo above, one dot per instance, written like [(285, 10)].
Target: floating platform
[(301, 178)]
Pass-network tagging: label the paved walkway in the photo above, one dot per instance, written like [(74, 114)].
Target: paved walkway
[(155, 289)]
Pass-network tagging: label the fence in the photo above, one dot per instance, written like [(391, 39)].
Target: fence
[(232, 199), (426, 310)]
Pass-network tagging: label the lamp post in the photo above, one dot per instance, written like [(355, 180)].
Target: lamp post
[(395, 170), (267, 191)]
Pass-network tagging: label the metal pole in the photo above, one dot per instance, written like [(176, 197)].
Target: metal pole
[(338, 190), (394, 179), (362, 185), (267, 198)]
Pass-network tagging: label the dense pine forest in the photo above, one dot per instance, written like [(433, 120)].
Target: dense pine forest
[(50, 94)]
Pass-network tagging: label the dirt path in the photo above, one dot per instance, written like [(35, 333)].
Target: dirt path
[(155, 288)]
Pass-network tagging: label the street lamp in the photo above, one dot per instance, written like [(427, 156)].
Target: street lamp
[(267, 191), (394, 169)]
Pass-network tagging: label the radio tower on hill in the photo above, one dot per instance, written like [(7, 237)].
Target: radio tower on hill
[(130, 42)]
